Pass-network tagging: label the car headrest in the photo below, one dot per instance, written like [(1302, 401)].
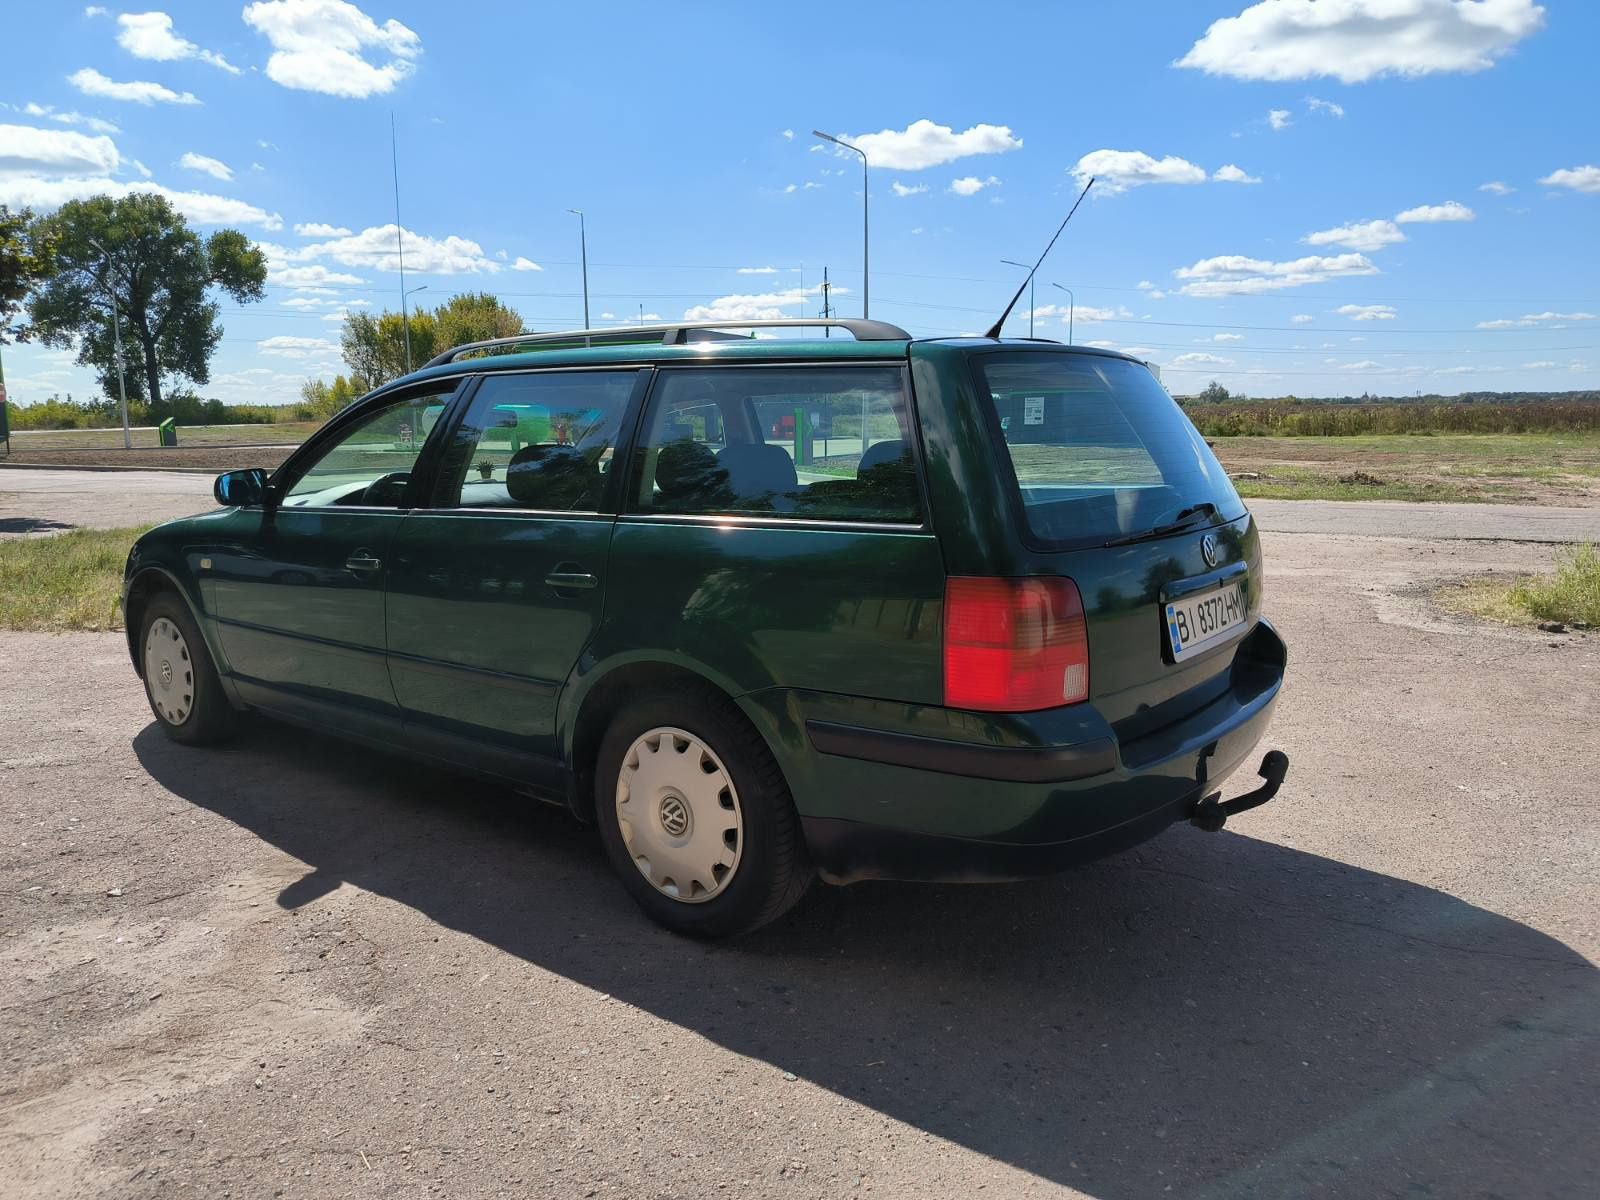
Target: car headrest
[(560, 478), (688, 475), (883, 454), (758, 471)]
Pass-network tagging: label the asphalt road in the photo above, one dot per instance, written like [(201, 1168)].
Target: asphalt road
[(289, 968), (44, 500)]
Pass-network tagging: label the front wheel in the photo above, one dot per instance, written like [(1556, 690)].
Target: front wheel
[(179, 679), (696, 818)]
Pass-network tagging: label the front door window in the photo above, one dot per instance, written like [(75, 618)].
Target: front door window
[(369, 464)]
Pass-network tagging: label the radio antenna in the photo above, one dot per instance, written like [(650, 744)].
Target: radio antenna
[(994, 330)]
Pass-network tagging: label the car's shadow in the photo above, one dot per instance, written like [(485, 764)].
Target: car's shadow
[(29, 526), (1210, 1015)]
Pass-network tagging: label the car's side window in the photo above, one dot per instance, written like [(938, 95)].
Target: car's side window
[(369, 463), (821, 443), (539, 441)]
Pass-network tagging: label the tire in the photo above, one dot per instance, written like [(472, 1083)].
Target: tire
[(676, 810), (180, 681)]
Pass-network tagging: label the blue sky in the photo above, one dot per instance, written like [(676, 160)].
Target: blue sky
[(1310, 196)]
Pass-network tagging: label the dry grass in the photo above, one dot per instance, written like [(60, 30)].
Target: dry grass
[(68, 581), (1570, 596)]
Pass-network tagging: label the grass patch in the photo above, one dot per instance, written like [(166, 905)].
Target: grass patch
[(68, 581), (1291, 483), (1570, 596)]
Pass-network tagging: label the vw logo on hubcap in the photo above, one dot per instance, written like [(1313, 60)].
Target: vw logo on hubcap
[(1208, 550), (166, 671), (674, 816)]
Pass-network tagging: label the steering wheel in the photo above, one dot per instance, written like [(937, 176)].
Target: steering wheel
[(387, 490)]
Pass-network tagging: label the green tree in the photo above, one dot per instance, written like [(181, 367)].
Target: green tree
[(374, 345), (160, 274), (24, 262), (1214, 393)]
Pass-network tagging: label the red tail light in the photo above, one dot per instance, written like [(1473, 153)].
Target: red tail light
[(1014, 645)]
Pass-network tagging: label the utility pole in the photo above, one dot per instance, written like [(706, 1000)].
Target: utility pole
[(1011, 262), (116, 334), (583, 253), (866, 258), (827, 302)]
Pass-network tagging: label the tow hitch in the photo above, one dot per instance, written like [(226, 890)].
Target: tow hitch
[(1213, 812)]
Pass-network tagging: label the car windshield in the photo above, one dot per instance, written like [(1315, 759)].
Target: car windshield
[(1098, 449)]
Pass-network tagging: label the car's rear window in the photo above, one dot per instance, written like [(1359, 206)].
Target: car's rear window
[(1098, 448)]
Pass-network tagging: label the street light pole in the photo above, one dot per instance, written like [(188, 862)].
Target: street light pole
[(583, 252), (116, 335), (1072, 307), (405, 319), (866, 257), (1011, 262)]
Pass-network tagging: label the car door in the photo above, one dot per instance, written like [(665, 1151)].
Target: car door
[(300, 603), (495, 585)]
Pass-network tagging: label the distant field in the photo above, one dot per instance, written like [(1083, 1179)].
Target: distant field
[(1530, 468), (1282, 419), (196, 435)]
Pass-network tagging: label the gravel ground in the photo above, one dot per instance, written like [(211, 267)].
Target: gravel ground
[(289, 968)]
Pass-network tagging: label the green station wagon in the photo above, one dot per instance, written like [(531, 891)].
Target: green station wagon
[(865, 607)]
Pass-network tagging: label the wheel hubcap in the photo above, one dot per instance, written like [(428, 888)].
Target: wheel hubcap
[(679, 814), (168, 671)]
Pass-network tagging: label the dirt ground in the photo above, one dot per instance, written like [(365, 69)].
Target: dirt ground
[(287, 968), (210, 458)]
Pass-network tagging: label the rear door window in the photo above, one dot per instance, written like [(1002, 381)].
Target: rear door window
[(818, 443), (1097, 447)]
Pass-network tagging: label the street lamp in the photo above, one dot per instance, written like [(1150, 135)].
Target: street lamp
[(583, 251), (1072, 305), (405, 319), (116, 334), (1011, 262), (866, 291)]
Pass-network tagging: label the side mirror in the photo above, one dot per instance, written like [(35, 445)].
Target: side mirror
[(236, 489)]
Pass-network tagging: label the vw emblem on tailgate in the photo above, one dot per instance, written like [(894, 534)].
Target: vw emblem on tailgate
[(1208, 550)]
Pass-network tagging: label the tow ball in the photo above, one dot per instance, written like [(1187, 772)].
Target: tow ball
[(1212, 812)]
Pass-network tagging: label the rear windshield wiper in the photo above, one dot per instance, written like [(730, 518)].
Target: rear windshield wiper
[(1184, 520)]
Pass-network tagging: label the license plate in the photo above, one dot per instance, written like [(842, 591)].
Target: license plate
[(1199, 622)]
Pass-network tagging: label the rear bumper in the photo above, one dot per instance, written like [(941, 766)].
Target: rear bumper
[(911, 807)]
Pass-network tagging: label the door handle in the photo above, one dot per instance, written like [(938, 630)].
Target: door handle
[(568, 576), (362, 562)]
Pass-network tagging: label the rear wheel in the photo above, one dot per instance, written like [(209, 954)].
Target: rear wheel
[(696, 818), (179, 679)]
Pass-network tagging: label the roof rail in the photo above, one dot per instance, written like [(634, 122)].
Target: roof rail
[(677, 333)]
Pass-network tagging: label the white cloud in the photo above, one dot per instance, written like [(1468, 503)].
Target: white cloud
[(1529, 319), (93, 124), (1227, 337), (1357, 40), (1579, 179), (315, 279), (1151, 290), (321, 45), (1302, 318), (27, 150), (1366, 364), (1450, 210), (1327, 106), (91, 83), (756, 271), (142, 169), (1083, 314), (900, 189), (1228, 173), (149, 35), (923, 144), (1367, 312), (1118, 170), (525, 264), (1279, 118), (767, 306), (1359, 235), (808, 186), (788, 135), (213, 167), (319, 229), (375, 248), (1496, 188), (45, 186), (1238, 275), (971, 185), (1201, 360), (95, 10), (285, 346), (1543, 364)]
